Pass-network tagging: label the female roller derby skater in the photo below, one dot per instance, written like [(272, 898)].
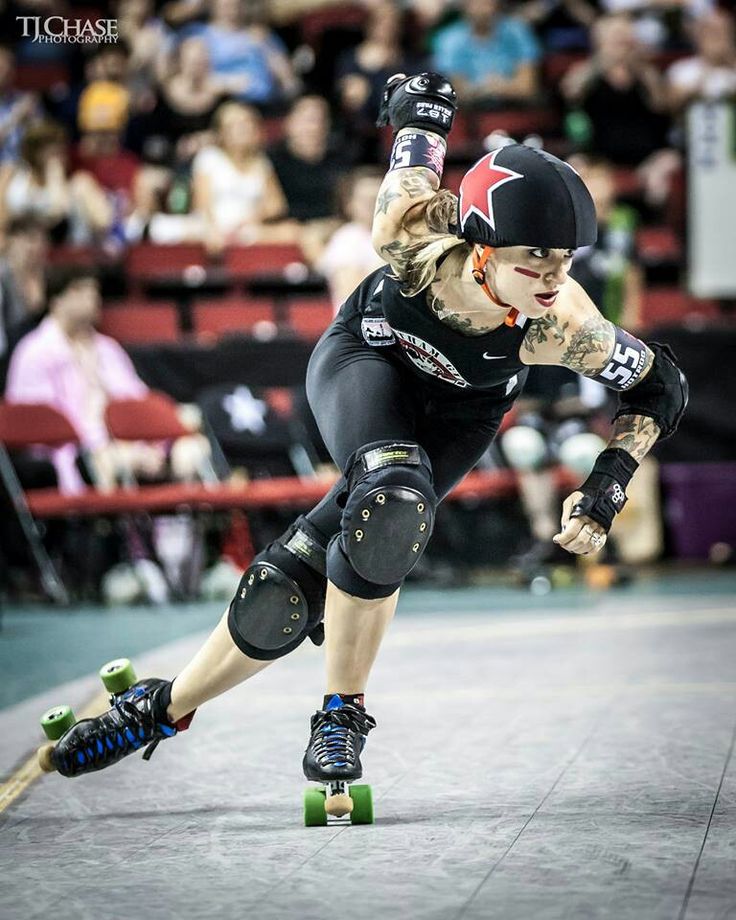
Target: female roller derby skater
[(409, 385)]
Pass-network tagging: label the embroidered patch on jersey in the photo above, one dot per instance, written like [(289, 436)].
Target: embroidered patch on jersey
[(376, 331), (428, 359)]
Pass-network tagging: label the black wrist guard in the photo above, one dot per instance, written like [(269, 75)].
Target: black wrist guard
[(604, 491), (425, 101)]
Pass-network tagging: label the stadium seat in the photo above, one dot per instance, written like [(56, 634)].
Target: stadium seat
[(341, 16), (87, 256), (218, 317), (657, 245), (152, 418), (25, 425), (627, 182), (517, 123), (136, 322), (309, 317), (40, 77), (145, 261), (261, 259), (556, 65), (452, 178), (673, 305), (273, 130)]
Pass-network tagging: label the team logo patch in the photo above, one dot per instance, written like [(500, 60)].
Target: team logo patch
[(429, 360), (478, 186), (376, 331)]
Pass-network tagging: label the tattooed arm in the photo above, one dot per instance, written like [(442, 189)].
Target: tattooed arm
[(575, 335), (401, 191)]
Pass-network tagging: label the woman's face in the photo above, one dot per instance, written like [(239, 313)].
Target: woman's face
[(528, 279), (194, 58), (362, 202), (240, 131)]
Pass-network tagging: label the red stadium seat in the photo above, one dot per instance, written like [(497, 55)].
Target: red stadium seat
[(147, 260), (627, 182), (261, 259), (87, 256), (219, 317), (39, 77), (656, 245), (273, 130), (26, 424), (452, 178), (517, 122), (555, 66), (135, 322), (340, 16), (152, 418), (673, 305), (309, 317)]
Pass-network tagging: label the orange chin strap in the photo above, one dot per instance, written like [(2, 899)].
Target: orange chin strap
[(479, 275)]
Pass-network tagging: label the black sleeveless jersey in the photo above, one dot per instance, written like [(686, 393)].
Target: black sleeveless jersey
[(406, 328)]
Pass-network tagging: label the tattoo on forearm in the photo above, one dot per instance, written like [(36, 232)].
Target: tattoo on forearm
[(385, 197), (590, 347), (636, 434), (544, 329)]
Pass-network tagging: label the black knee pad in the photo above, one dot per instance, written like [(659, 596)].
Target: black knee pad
[(281, 596), (389, 511)]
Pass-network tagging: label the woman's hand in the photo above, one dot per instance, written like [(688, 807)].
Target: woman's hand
[(579, 535)]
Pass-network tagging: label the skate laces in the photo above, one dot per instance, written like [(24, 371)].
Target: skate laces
[(334, 733), (111, 738)]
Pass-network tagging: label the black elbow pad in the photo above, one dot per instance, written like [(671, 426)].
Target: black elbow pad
[(662, 395)]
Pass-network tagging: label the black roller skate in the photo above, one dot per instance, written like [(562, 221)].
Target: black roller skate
[(332, 758), (137, 719)]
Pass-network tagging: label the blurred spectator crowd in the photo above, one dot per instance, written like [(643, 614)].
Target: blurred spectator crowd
[(210, 130)]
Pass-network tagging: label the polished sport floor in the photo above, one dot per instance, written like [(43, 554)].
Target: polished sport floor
[(569, 756)]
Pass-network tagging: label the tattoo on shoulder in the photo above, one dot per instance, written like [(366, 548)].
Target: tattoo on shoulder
[(590, 347), (635, 434), (545, 329)]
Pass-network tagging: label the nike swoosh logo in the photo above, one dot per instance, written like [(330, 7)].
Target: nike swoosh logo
[(493, 357)]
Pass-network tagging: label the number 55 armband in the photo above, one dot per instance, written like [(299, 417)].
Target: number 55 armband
[(661, 394)]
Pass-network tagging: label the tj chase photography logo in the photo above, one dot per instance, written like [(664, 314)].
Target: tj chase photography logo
[(58, 30)]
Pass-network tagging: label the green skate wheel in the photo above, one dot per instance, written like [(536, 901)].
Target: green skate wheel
[(314, 808), (118, 675), (57, 721), (362, 812)]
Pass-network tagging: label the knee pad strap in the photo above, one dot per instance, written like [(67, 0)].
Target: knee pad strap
[(280, 599)]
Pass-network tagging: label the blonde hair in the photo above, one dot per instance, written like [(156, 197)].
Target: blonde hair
[(439, 214)]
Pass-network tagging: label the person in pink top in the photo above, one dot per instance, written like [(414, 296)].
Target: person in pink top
[(69, 365)]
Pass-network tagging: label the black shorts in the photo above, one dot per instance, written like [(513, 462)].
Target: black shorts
[(359, 394)]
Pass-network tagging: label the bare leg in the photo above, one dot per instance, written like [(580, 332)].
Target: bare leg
[(354, 628), (218, 666)]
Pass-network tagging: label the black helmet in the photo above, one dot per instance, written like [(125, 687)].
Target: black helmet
[(521, 196)]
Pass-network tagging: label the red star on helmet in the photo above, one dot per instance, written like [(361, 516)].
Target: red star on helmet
[(478, 185)]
